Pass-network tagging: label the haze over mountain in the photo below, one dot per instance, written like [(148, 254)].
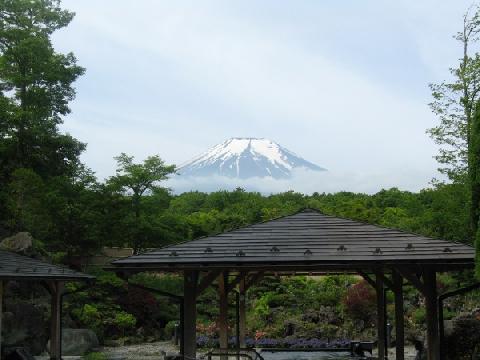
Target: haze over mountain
[(245, 158)]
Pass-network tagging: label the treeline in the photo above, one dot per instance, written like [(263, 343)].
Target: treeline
[(46, 190)]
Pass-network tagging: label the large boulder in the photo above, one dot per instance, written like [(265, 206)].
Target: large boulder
[(77, 342), (25, 325), (464, 337), (19, 243)]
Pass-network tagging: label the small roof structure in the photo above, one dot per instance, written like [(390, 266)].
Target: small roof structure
[(23, 268), (306, 240), (18, 267)]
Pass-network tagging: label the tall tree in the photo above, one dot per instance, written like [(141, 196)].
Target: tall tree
[(35, 89), (454, 103), (136, 180), (474, 172)]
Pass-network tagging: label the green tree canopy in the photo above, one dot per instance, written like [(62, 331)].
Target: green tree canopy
[(35, 89), (135, 180)]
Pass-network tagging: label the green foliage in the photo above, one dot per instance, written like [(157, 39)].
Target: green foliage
[(419, 316), (124, 320), (133, 181), (95, 356)]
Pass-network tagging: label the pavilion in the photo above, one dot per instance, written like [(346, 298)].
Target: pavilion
[(308, 242), (15, 267)]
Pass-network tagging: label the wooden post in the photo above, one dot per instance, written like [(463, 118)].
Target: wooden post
[(223, 313), (381, 321), (56, 291), (399, 316), (190, 313), (1, 314), (431, 303), (243, 314)]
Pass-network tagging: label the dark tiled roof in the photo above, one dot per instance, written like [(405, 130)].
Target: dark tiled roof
[(14, 266), (306, 238)]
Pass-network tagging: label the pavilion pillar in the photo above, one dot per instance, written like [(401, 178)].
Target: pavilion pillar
[(1, 314), (242, 323), (399, 316), (190, 314), (381, 318), (56, 292), (431, 303), (223, 311)]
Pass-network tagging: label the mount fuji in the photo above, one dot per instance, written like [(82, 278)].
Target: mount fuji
[(246, 158)]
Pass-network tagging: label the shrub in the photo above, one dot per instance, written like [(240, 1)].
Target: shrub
[(124, 321), (419, 316), (95, 356), (465, 336), (360, 302)]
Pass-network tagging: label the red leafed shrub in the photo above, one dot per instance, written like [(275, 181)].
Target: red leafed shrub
[(143, 305), (360, 302)]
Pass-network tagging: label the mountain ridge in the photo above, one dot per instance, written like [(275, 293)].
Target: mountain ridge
[(247, 157)]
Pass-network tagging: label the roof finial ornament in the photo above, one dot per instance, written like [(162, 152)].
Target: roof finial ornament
[(240, 253)]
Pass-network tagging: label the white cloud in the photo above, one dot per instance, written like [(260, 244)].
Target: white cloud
[(308, 182)]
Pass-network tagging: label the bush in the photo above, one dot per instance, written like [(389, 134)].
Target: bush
[(95, 356), (360, 302), (465, 336), (419, 316)]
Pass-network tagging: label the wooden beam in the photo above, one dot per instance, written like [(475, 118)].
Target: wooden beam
[(223, 311), (207, 280), (254, 279), (235, 281), (367, 278), (190, 284), (386, 281), (1, 314), (412, 278), (243, 312), (399, 316), (431, 303), (56, 292), (381, 320)]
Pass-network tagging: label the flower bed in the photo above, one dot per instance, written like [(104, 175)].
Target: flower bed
[(291, 343)]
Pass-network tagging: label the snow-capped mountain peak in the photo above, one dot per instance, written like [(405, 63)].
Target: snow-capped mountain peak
[(245, 158)]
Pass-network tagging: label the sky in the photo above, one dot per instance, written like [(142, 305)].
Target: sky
[(344, 84)]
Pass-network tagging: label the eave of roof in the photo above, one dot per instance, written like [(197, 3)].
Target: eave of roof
[(18, 267)]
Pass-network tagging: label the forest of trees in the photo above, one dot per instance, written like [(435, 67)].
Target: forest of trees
[(45, 188)]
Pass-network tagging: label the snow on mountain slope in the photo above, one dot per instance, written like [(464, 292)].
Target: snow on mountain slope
[(246, 158)]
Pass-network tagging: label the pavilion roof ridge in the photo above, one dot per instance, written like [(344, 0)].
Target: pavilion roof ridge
[(166, 247)]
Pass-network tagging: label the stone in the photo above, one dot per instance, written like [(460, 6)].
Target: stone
[(19, 243), (24, 325), (78, 342), (448, 326)]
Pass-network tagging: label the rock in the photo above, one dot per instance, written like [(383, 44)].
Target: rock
[(448, 326), (20, 242), (24, 325), (78, 342)]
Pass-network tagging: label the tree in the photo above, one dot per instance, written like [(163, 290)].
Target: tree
[(35, 89), (136, 180), (454, 103)]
